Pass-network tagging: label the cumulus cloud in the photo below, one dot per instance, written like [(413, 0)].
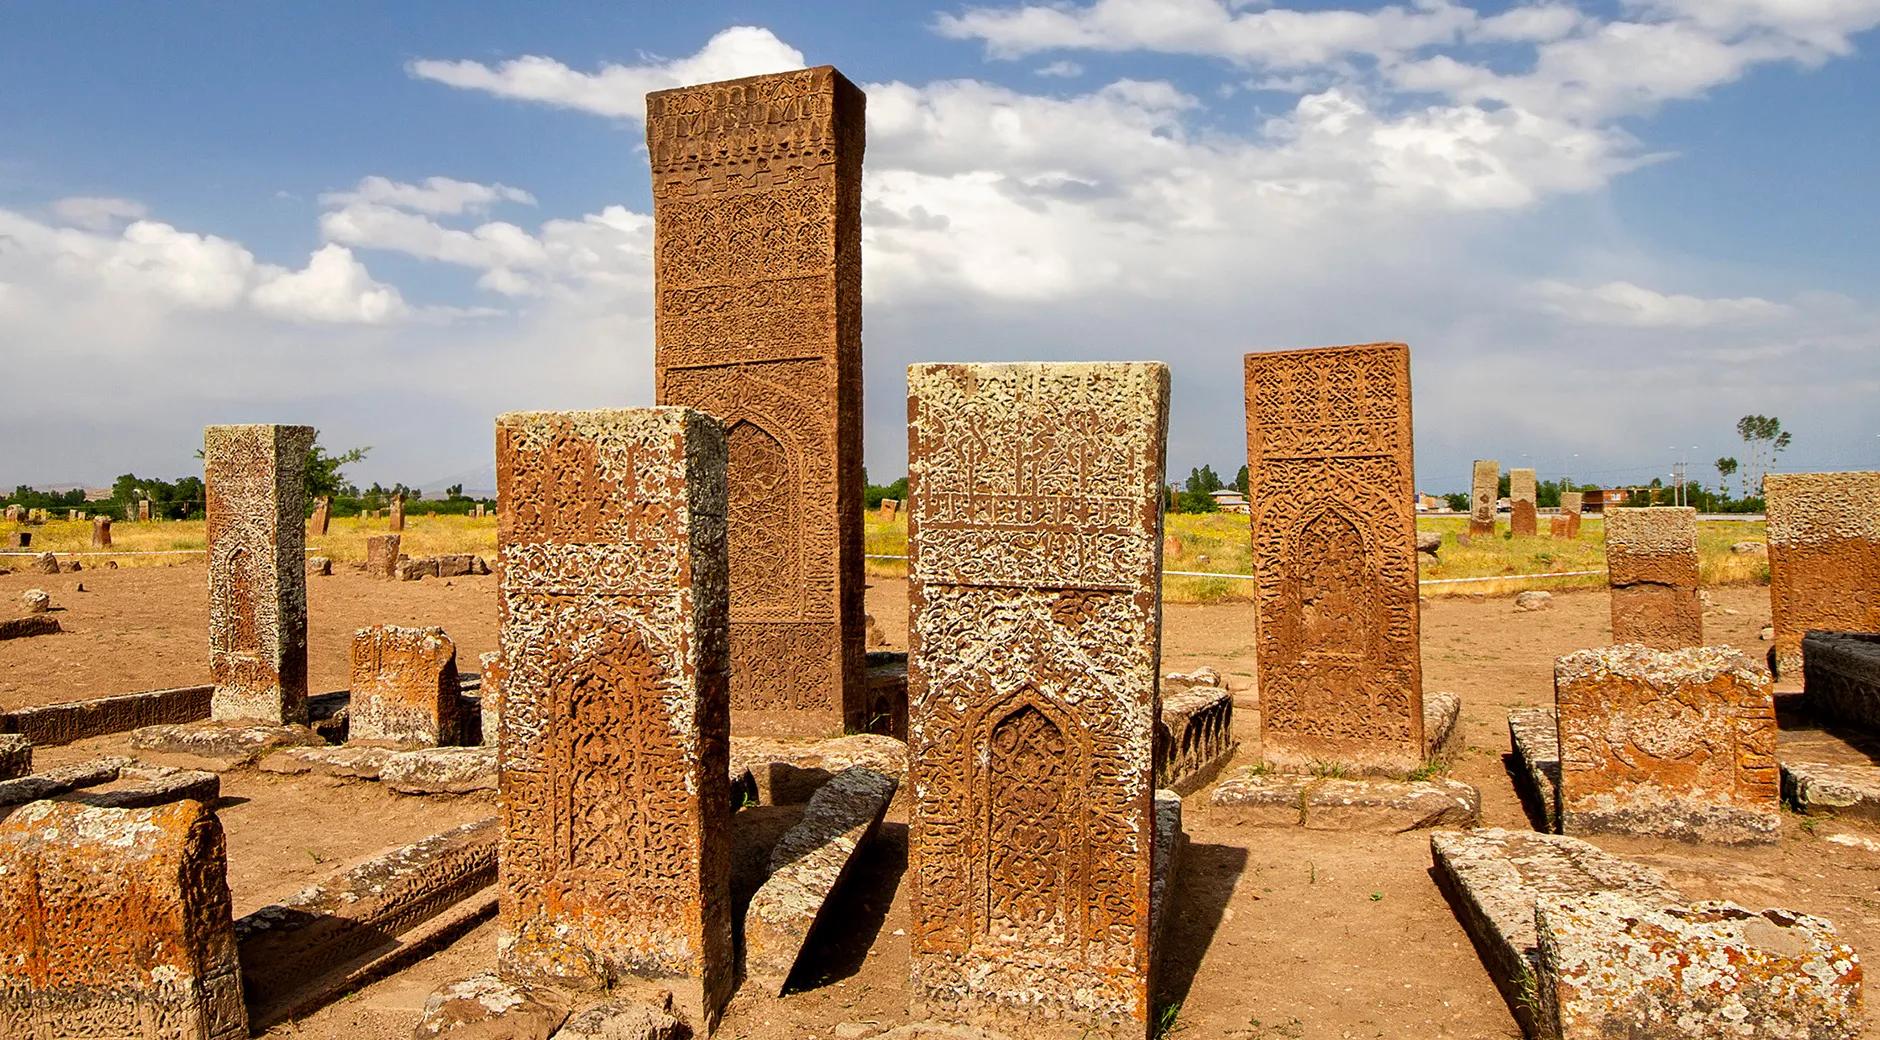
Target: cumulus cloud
[(334, 286), (1634, 306), (98, 213), (1060, 69), (440, 195)]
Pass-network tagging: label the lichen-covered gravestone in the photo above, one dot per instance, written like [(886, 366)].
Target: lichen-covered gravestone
[(615, 721), (1651, 564), (1332, 493), (404, 688), (116, 923), (322, 514), (256, 531), (1572, 504), (1484, 493), (1522, 498), (382, 555), (758, 320), (1034, 523), (1679, 744), (1824, 557), (101, 532)]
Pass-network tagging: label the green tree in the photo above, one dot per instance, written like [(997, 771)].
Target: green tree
[(1725, 467), (1240, 481), (1766, 440), (1458, 501)]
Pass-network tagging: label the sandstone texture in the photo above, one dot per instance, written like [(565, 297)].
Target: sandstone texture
[(790, 772), (28, 626), (1521, 496), (1534, 736), (1484, 493), (444, 770), (1824, 557), (219, 746), (1651, 562), (16, 756), (621, 1020), (405, 688), (1194, 734), (48, 725), (355, 762), (382, 555), (1534, 600), (1258, 798), (485, 1007), (35, 601), (1841, 791)]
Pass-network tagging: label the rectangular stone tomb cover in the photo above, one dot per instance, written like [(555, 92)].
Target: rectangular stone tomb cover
[(1035, 531), (614, 798)]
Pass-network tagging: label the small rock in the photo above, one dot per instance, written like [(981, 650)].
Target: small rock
[(1767, 634), (80, 588), (484, 1007), (620, 1020), (73, 567), (1429, 542), (1204, 558), (44, 563), (1746, 548), (110, 565), (319, 565), (36, 601), (1534, 600)]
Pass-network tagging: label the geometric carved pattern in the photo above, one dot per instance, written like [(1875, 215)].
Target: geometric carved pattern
[(757, 304), (1034, 524), (256, 530), (1335, 618), (614, 728), (1484, 487), (1824, 557)]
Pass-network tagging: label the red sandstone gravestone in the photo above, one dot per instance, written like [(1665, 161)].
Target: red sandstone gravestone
[(1484, 493), (1651, 563), (1824, 557), (1524, 519)]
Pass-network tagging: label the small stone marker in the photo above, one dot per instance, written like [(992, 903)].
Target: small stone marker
[(35, 601), (1334, 552), (404, 688), (1484, 493), (322, 514), (890, 508), (1651, 563), (256, 492), (1523, 498), (118, 924), (1572, 504), (382, 555), (101, 532), (616, 804), (1824, 557), (20, 540), (143, 509), (398, 512), (1677, 745), (1035, 528)]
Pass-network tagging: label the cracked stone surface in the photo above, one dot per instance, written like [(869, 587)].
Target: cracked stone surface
[(219, 746), (1535, 740), (357, 762), (1816, 788)]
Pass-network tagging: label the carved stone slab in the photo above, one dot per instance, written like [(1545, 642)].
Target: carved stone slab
[(256, 530), (1484, 493), (758, 320), (1332, 489), (1824, 557), (1523, 499), (614, 796), (1035, 531), (405, 688), (1842, 677), (1651, 562), (116, 924), (1572, 503)]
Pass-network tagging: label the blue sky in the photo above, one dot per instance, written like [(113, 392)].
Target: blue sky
[(1606, 230)]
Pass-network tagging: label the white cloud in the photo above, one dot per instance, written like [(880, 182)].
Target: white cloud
[(98, 213), (1632, 306), (333, 287), (440, 195), (1060, 70), (618, 91)]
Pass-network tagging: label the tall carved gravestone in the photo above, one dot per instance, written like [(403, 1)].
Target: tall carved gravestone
[(615, 728), (322, 514), (101, 532), (398, 512), (1523, 521), (1824, 557), (1572, 503), (1331, 485), (143, 509), (758, 320), (1484, 492), (256, 490), (1651, 564), (1034, 521)]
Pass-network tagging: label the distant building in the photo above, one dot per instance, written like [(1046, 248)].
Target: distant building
[(1231, 501), (1597, 501)]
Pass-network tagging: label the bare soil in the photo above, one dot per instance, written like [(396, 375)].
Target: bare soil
[(1276, 934)]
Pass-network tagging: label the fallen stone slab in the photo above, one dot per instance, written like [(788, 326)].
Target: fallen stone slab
[(1842, 791), (331, 937), (16, 756), (51, 725), (806, 867), (1494, 879), (147, 786), (1612, 965), (1841, 677), (29, 626), (59, 781), (1442, 726), (1533, 600), (1535, 740), (443, 770), (624, 1020), (1194, 735), (484, 1007), (1258, 798), (221, 746), (353, 761), (788, 772)]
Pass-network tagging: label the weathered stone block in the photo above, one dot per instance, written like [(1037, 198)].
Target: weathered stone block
[(1035, 530), (1838, 790), (615, 717), (51, 724), (1679, 744), (758, 321), (1522, 497), (1194, 734), (101, 532), (352, 761), (441, 770), (1842, 677), (1612, 965), (1257, 798), (16, 756), (1333, 496), (1572, 505), (490, 697), (1534, 737), (404, 688), (486, 1007), (1484, 495), (256, 530), (1824, 557), (219, 746), (1651, 562), (322, 515), (382, 555), (29, 626), (116, 924)]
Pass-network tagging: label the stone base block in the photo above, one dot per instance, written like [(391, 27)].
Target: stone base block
[(220, 746), (352, 761), (789, 772), (1843, 791), (55, 782), (16, 756), (1494, 879), (1195, 734), (444, 770), (806, 866), (1535, 738), (49, 725), (1613, 965), (1257, 798)]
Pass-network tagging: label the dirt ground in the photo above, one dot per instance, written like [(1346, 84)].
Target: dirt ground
[(1276, 933)]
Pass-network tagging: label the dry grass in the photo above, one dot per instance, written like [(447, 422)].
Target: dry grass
[(345, 540)]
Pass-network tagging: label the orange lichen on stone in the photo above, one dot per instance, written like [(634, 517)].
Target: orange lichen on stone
[(1824, 557), (116, 923), (405, 688)]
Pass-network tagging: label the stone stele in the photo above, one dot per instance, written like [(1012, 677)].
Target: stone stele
[(116, 923), (1677, 745), (404, 688), (1332, 491), (1572, 504), (1651, 563), (758, 320), (1522, 498), (1034, 523), (382, 555), (256, 531), (1484, 492), (1824, 557), (615, 719)]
